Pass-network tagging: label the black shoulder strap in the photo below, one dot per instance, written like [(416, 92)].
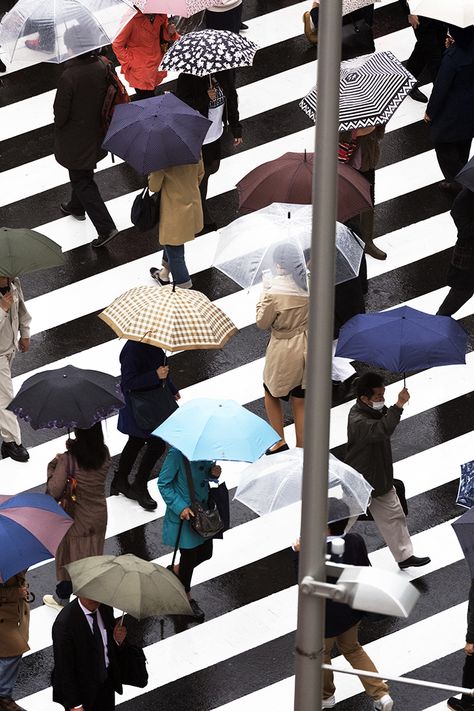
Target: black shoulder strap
[(189, 477)]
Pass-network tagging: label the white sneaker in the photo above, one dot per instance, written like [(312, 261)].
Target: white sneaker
[(329, 703), (54, 602), (384, 704)]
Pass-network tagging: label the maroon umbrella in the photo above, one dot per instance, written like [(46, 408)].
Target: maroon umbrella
[(288, 179)]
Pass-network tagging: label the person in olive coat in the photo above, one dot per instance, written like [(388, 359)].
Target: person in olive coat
[(14, 623), (177, 530), (78, 136)]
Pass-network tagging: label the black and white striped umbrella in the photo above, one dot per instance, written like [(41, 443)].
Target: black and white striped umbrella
[(208, 51), (371, 89)]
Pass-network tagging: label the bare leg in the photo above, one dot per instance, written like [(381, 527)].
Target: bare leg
[(297, 406), (274, 411)]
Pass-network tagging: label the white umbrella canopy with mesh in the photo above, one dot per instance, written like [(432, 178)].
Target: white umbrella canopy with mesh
[(352, 5), (272, 483), (371, 89), (182, 8), (57, 30), (173, 319), (457, 12)]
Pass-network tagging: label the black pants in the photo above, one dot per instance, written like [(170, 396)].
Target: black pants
[(143, 94), (86, 197), (227, 20), (452, 157), (190, 559), (154, 448), (454, 300), (211, 156), (468, 678), (429, 48), (104, 701)]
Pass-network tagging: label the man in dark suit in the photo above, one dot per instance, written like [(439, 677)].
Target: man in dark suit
[(86, 673)]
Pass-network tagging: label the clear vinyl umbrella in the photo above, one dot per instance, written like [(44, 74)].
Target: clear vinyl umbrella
[(39, 30), (273, 482)]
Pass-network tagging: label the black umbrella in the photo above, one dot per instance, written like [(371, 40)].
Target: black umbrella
[(67, 397)]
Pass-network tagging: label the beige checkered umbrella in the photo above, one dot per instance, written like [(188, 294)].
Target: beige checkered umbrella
[(176, 320)]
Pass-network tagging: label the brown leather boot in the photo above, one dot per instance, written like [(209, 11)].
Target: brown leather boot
[(373, 251), (311, 35)]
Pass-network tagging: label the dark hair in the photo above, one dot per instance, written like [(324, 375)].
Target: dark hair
[(338, 510), (462, 36), (367, 384), (88, 448), (292, 261), (337, 528)]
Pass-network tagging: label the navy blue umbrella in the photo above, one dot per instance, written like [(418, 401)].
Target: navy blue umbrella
[(156, 133), (466, 175), (403, 340)]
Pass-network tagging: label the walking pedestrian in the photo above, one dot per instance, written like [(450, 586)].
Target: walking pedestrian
[(14, 336), (450, 111), (357, 42), (177, 530), (78, 136), (142, 367), (15, 624), (369, 428), (466, 703), (77, 477), (227, 15), (139, 49)]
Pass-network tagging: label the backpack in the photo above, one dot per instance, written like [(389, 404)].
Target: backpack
[(115, 94)]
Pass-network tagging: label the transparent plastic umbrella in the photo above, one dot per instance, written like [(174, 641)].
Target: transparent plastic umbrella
[(274, 482), (35, 29), (459, 13), (183, 8)]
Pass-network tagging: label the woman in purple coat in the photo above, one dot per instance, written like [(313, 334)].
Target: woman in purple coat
[(142, 367)]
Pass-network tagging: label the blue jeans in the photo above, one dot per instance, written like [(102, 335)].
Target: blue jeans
[(8, 673), (173, 255)]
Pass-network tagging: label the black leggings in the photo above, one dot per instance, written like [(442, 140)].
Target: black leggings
[(154, 448), (190, 559)]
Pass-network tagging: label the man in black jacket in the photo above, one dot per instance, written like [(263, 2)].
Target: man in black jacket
[(85, 642), (466, 703), (369, 451)]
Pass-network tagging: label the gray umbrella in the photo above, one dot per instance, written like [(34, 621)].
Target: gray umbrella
[(23, 251)]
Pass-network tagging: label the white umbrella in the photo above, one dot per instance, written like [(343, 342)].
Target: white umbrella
[(456, 12), (351, 5), (273, 482)]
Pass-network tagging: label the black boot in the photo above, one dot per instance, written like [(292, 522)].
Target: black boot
[(139, 491), (120, 485)]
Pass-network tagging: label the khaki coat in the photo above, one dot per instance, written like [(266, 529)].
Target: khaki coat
[(87, 534), (285, 358), (14, 618), (181, 215)]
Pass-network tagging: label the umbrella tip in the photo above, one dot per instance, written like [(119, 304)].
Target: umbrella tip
[(64, 375)]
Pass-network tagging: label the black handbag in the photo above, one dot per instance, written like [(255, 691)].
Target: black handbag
[(132, 665), (220, 496), (357, 39), (151, 407), (145, 210), (206, 522)]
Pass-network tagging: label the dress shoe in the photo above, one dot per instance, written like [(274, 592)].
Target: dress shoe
[(456, 704), (7, 704), (418, 95), (243, 26), (282, 448), (329, 703), (309, 31), (374, 251), (55, 602), (15, 451), (64, 207), (198, 614), (414, 562), (157, 275), (102, 240)]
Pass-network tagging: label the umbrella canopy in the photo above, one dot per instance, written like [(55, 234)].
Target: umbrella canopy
[(38, 27), (247, 247), (464, 530), (459, 12), (207, 51), (403, 339), (371, 89), (156, 133), (173, 319), (289, 179), (274, 482), (352, 5), (207, 429), (466, 175), (31, 528), (23, 251), (183, 8), (130, 584), (67, 397)]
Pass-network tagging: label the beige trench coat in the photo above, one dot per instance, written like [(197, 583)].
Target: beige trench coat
[(285, 359), (87, 534), (180, 208), (14, 618)]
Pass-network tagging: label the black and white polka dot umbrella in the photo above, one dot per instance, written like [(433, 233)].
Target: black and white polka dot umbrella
[(209, 51)]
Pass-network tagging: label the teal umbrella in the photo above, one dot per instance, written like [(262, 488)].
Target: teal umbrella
[(23, 251)]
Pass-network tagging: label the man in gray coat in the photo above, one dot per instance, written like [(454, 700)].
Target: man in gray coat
[(370, 426)]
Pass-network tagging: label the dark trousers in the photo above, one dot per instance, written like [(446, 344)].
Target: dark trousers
[(86, 197), (211, 157), (468, 678), (143, 94), (154, 448), (429, 48), (105, 699), (455, 298), (452, 157), (228, 20), (190, 559)]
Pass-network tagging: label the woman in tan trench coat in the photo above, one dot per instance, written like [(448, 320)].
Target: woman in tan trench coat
[(14, 625), (284, 308), (180, 218), (87, 461)]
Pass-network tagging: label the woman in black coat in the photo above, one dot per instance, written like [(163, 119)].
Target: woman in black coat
[(215, 97), (460, 275), (450, 111), (142, 367)]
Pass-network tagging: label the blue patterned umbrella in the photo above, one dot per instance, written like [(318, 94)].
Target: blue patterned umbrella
[(208, 51)]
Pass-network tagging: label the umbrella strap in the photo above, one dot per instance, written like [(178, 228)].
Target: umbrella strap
[(176, 546)]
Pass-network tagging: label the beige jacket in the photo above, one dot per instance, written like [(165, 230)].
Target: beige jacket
[(14, 322)]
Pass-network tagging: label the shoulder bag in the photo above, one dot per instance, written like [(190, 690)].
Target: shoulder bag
[(68, 498), (206, 522), (151, 407), (145, 210), (132, 665)]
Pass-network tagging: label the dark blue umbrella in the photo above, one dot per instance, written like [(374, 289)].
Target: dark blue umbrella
[(156, 133), (466, 175), (403, 339)]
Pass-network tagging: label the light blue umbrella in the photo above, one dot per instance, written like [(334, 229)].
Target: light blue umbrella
[(207, 429)]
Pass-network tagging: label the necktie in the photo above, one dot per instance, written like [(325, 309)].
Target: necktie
[(99, 645)]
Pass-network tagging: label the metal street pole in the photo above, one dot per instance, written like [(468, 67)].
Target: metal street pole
[(310, 631)]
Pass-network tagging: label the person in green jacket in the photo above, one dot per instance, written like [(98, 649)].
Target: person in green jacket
[(369, 428)]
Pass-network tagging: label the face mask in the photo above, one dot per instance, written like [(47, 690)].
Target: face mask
[(378, 405)]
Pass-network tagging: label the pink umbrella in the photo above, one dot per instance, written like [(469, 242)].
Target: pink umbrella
[(183, 8)]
